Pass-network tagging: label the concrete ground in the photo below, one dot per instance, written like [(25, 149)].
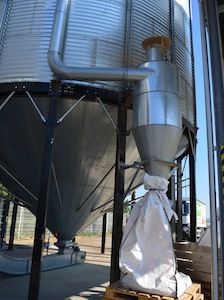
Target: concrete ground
[(82, 281)]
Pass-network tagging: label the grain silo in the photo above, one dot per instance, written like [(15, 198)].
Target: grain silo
[(86, 54)]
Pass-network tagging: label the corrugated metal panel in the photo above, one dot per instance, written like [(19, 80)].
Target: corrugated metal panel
[(2, 3), (184, 61), (148, 18), (24, 54), (151, 18), (96, 36), (100, 25), (5, 7), (90, 33)]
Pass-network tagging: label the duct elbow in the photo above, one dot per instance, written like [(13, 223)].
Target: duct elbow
[(93, 74), (83, 73), (57, 66)]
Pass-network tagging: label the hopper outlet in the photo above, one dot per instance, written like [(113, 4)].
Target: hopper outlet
[(157, 121)]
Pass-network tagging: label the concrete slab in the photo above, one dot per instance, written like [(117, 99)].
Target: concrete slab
[(82, 281)]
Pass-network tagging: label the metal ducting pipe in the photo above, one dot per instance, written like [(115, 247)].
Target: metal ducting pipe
[(55, 54), (157, 114), (157, 121)]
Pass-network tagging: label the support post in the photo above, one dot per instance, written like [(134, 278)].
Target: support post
[(4, 222), (104, 229), (13, 226), (193, 222), (118, 194), (171, 189), (211, 161), (179, 203), (34, 283), (171, 195), (218, 98)]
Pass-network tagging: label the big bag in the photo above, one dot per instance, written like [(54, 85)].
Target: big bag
[(147, 258)]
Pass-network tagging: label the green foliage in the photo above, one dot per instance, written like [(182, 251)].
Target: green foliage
[(127, 207), (4, 193)]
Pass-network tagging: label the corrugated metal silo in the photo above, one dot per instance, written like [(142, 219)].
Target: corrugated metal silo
[(103, 34)]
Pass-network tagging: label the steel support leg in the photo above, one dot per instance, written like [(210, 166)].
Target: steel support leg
[(193, 228), (211, 161), (4, 222), (13, 226), (218, 98), (43, 199), (118, 194), (179, 203), (104, 229), (171, 195)]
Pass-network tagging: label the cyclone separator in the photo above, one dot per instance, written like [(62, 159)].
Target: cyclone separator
[(157, 122)]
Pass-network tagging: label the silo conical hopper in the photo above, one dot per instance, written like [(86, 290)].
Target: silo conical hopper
[(157, 124)]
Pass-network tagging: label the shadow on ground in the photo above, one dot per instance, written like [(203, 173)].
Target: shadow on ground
[(83, 281)]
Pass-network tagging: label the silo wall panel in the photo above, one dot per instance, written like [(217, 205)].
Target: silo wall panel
[(148, 18)]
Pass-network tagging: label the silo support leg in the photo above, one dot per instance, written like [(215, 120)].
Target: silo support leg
[(215, 58), (4, 222), (118, 194), (43, 200), (13, 226), (193, 217), (104, 229), (179, 202)]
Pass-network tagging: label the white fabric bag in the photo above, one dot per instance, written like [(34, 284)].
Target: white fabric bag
[(147, 258)]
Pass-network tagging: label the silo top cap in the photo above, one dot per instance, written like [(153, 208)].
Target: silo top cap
[(162, 41)]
